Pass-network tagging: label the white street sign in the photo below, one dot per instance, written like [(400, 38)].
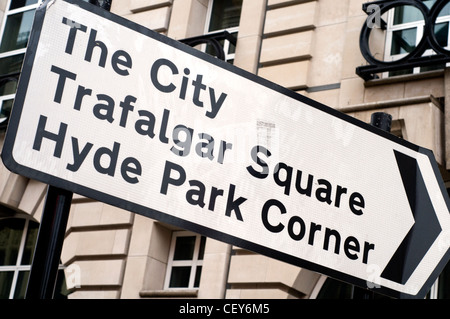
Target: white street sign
[(119, 113)]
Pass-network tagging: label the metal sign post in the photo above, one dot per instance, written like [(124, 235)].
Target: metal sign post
[(44, 268), (52, 228)]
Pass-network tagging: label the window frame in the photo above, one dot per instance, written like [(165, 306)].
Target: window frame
[(194, 263), (11, 53), (3, 25), (419, 26), (229, 57), (17, 268)]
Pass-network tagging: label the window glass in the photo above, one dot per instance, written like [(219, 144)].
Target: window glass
[(10, 236), (198, 274), (441, 33), (30, 242), (405, 30), (401, 72), (439, 66), (8, 86), (405, 14), (11, 64), (21, 285), (429, 3), (17, 30), (179, 277), (61, 291), (18, 238), (225, 14), (201, 251), (21, 3), (404, 41), (184, 248), (185, 262), (6, 278), (445, 10), (5, 110)]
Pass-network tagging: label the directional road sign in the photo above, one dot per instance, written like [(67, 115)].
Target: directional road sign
[(111, 110)]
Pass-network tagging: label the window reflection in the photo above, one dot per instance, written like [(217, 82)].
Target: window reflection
[(21, 3), (17, 31), (18, 238)]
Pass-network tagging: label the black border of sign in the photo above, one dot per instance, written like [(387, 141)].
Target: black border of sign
[(13, 166)]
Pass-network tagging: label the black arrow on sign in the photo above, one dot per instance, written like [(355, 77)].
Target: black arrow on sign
[(425, 229)]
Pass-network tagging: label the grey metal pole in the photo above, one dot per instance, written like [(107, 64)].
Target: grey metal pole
[(47, 254)]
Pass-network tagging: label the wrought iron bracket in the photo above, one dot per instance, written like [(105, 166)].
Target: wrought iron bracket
[(214, 40), (415, 58)]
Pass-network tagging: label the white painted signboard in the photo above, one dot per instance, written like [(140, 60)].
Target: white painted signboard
[(116, 112)]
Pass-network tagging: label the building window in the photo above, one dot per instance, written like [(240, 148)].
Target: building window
[(14, 33), (17, 242), (185, 262), (15, 30), (405, 28), (223, 15)]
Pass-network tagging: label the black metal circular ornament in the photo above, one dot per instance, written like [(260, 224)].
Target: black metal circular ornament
[(414, 58), (385, 6), (431, 27)]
